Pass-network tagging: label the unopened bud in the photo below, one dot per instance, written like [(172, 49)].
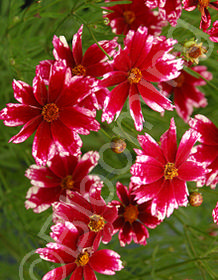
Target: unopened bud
[(195, 199), (118, 145)]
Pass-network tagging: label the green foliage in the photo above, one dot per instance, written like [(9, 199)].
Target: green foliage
[(185, 245)]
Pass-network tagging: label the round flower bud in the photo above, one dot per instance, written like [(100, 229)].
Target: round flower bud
[(195, 199), (118, 145)]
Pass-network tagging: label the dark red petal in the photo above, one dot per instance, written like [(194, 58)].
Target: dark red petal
[(40, 91), (27, 130), (77, 274), (113, 78), (140, 233), (60, 273), (168, 142), (125, 234), (171, 11), (180, 191), (19, 114), (205, 153), (77, 46), (57, 253), (88, 273), (62, 51), (66, 140), (43, 69), (135, 107), (190, 171), (105, 261), (205, 20), (187, 142), (40, 199), (115, 102), (110, 213), (151, 148), (43, 144), (23, 93), (108, 231), (97, 202), (122, 193), (81, 204)]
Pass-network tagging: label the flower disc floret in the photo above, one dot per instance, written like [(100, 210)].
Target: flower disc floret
[(50, 112), (134, 76), (79, 70), (204, 3), (129, 16), (96, 223), (82, 259), (170, 171), (67, 183), (131, 213)]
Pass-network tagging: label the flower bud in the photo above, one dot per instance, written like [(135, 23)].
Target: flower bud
[(195, 199), (118, 145)]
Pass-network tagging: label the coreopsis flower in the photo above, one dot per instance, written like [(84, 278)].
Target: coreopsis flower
[(80, 259), (169, 10), (90, 214), (123, 17), (93, 63), (207, 151), (202, 5), (132, 217), (193, 51), (213, 32), (61, 176), (215, 214), (143, 60), (52, 112), (185, 93), (161, 171)]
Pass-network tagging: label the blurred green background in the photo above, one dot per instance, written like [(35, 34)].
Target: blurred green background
[(184, 245)]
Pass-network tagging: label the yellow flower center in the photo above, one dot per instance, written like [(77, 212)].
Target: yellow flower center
[(131, 213), (135, 76), (50, 112), (96, 223), (79, 70), (67, 183), (203, 3), (170, 171), (82, 259), (129, 16)]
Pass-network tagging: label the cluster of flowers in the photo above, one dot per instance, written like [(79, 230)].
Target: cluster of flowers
[(62, 103)]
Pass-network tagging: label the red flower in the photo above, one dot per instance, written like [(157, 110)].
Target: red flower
[(161, 171), (62, 176), (169, 10), (79, 260), (190, 5), (53, 113), (144, 59), (207, 152), (186, 95), (132, 218), (213, 32), (91, 214), (130, 16), (93, 63), (215, 214)]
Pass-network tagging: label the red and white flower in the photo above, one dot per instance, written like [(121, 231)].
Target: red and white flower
[(215, 214), (161, 171), (169, 10), (52, 112), (132, 217), (93, 63), (207, 151), (90, 214), (123, 17), (61, 176), (143, 60), (80, 258), (213, 32), (185, 94), (202, 5)]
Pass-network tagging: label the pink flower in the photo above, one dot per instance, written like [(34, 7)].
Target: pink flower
[(186, 95), (90, 214), (132, 218), (169, 10), (130, 16), (207, 151), (215, 214), (143, 60), (161, 171), (80, 258), (190, 5), (53, 113), (61, 176), (213, 32), (93, 63)]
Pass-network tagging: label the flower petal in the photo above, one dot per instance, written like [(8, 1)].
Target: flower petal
[(191, 171), (60, 273), (122, 193), (140, 233), (135, 107), (88, 273), (77, 46)]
